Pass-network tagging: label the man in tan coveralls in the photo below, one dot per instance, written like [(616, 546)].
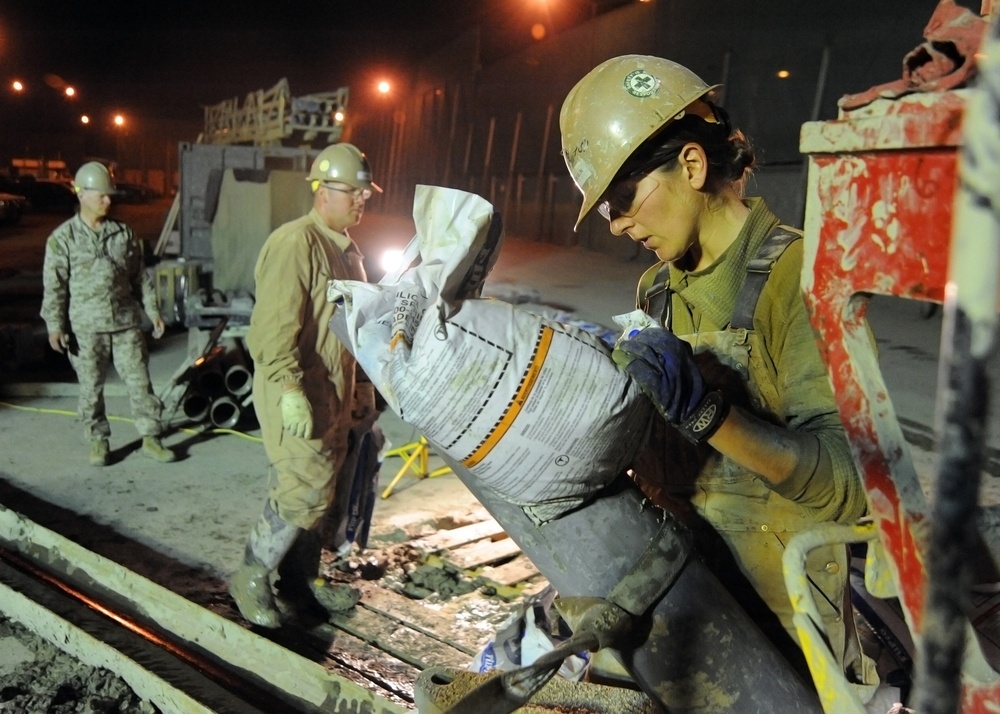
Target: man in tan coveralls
[(94, 271), (305, 393)]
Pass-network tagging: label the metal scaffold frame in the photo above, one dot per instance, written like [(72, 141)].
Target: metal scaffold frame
[(271, 117)]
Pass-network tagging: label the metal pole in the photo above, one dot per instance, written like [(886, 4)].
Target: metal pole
[(510, 165), (968, 345), (545, 143), (824, 70), (720, 95), (451, 135), (489, 150), (468, 153)]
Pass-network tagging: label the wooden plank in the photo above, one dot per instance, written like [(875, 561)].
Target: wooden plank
[(418, 615), (512, 573), (481, 553), (353, 658), (442, 540), (396, 639)]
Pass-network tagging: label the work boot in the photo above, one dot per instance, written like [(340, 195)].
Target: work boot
[(154, 449), (302, 589), (99, 452), (250, 585), (296, 573)]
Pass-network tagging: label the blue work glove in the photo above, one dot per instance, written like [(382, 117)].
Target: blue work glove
[(663, 367)]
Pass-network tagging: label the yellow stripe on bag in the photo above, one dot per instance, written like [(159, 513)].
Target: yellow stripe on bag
[(517, 403)]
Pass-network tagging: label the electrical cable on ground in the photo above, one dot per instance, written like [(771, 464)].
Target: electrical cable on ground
[(184, 430)]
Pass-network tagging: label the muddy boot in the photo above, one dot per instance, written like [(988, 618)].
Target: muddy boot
[(99, 452), (250, 585), (152, 448), (301, 587), (297, 574)]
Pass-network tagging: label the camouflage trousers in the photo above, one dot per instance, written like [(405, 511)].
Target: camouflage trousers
[(91, 357)]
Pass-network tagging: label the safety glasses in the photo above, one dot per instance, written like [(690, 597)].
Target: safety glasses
[(355, 193), (620, 198)]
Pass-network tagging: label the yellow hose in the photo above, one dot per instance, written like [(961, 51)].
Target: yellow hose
[(63, 412)]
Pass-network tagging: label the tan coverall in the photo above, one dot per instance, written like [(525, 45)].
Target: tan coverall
[(291, 343)]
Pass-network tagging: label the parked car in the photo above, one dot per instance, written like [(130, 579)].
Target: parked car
[(12, 207), (49, 196), (133, 193)]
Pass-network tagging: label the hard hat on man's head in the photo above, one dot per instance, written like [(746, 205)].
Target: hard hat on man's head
[(93, 175), (344, 163), (613, 109)]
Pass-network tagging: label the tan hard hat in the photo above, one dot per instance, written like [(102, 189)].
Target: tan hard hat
[(94, 175), (344, 163), (613, 109)]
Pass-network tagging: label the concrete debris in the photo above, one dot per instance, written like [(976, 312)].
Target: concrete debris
[(35, 676), (439, 577), (335, 597)]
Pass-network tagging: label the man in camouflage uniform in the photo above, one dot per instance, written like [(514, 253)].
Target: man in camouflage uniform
[(94, 273)]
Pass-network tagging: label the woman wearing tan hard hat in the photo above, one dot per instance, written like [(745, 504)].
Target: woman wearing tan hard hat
[(732, 363)]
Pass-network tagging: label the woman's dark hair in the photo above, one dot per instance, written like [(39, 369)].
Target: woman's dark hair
[(729, 152)]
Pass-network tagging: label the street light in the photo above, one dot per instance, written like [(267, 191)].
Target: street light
[(592, 3), (120, 130), (17, 86), (384, 87)]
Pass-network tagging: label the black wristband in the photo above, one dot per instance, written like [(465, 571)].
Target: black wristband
[(700, 426)]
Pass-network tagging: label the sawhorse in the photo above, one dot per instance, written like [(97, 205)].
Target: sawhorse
[(416, 457)]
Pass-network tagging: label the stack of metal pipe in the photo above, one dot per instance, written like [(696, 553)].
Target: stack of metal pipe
[(219, 390)]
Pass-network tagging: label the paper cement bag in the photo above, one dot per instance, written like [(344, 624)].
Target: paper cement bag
[(533, 408)]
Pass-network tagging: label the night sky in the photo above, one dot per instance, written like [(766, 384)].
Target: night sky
[(169, 59)]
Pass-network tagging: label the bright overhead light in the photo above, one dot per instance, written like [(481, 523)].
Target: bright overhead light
[(392, 260), (384, 87), (84, 119), (784, 74), (17, 86)]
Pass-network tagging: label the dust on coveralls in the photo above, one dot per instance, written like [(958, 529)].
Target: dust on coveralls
[(291, 343)]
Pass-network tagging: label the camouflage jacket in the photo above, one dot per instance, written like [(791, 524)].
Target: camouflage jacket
[(94, 280)]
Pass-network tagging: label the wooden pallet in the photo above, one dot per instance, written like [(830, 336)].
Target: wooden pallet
[(390, 638)]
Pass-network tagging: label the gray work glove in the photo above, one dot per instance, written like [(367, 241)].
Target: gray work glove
[(296, 413)]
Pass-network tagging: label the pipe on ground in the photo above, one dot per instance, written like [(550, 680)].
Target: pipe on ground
[(196, 406), (238, 380), (224, 413)]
